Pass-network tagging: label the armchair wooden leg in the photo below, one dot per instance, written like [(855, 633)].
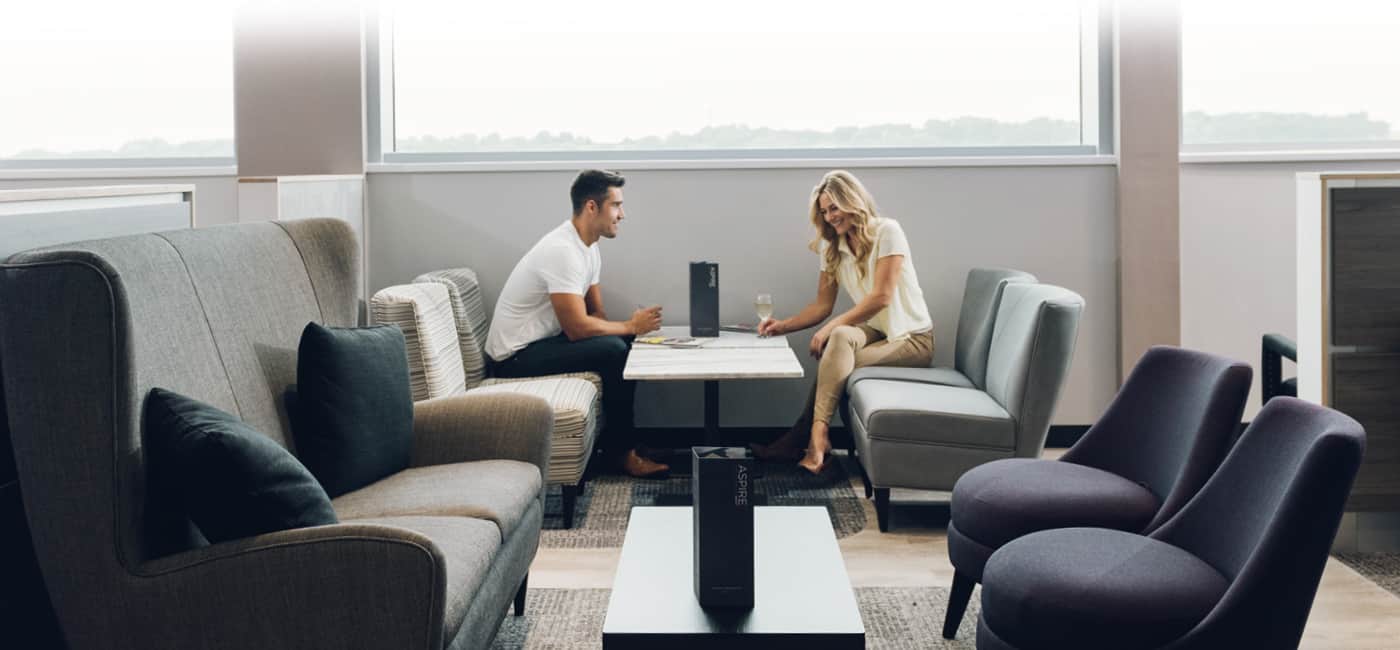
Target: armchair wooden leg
[(570, 497), (520, 596), (957, 603), (882, 508)]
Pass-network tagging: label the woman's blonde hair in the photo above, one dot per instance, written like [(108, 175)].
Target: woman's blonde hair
[(849, 196)]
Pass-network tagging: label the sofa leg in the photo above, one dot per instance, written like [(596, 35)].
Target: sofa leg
[(520, 596), (882, 508), (957, 603), (865, 479), (570, 497), (855, 456)]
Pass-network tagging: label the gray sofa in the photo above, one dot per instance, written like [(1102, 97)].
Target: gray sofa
[(913, 430), (427, 558), (980, 302), (976, 322)]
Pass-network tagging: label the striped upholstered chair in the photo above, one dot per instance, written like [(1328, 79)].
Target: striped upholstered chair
[(469, 310), (446, 360)]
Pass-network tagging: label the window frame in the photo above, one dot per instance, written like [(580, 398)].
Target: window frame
[(1096, 120)]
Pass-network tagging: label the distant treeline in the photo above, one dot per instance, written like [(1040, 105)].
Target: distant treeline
[(143, 148), (1199, 128)]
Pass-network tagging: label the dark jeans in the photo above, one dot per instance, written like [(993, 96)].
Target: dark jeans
[(605, 355)]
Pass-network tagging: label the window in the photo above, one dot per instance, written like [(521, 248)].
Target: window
[(536, 79), (150, 79), (1290, 75)]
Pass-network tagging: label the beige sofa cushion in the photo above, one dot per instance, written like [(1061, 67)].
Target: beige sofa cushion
[(499, 491)]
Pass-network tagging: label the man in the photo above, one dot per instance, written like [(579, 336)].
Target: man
[(549, 318)]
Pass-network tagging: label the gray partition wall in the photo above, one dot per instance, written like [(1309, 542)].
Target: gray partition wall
[(1056, 221), (40, 217)]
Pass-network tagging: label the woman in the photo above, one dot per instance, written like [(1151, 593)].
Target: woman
[(889, 325)]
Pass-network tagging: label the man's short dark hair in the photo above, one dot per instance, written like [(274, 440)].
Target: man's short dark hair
[(593, 184)]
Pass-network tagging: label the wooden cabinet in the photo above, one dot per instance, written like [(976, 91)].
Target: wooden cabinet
[(1349, 316), (1366, 266), (1367, 387)]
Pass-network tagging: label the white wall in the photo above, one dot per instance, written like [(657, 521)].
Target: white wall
[(1056, 222), (1238, 268), (215, 197)]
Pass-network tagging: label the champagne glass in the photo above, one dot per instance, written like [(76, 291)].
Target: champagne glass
[(763, 306)]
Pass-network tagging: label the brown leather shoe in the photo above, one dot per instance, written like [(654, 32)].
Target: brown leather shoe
[(636, 466), (652, 453)]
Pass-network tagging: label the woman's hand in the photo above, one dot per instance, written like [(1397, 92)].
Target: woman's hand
[(819, 342), (772, 327)]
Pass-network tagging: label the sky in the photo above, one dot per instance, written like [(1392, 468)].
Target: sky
[(1337, 57), (647, 69), (78, 74), (82, 75)]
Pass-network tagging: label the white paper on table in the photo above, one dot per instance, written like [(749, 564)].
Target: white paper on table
[(724, 340)]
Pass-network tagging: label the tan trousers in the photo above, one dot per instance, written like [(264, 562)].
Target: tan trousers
[(856, 347)]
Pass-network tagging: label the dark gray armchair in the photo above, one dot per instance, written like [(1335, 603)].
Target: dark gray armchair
[(1276, 348), (1158, 442), (1237, 567)]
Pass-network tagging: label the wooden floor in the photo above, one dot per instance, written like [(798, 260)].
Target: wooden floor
[(1349, 612)]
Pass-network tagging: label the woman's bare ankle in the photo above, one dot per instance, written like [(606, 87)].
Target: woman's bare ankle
[(820, 437), (815, 459)]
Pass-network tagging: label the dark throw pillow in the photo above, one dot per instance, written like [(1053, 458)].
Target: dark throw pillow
[(232, 481), (353, 417)]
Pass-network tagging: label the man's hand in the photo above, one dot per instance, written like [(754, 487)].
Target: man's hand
[(819, 343), (772, 327), (645, 320)]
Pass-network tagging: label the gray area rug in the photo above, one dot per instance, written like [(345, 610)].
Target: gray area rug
[(1380, 568), (896, 618), (600, 517)]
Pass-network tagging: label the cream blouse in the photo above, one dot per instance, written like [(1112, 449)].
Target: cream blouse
[(906, 313)]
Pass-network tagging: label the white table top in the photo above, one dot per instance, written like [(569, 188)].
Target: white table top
[(801, 588), (733, 355)]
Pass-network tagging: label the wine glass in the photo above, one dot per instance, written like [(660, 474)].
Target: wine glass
[(763, 306)]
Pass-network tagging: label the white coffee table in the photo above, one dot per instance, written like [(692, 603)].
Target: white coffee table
[(802, 594), (733, 355)]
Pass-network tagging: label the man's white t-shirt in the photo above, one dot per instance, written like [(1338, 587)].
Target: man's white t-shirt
[(559, 263)]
